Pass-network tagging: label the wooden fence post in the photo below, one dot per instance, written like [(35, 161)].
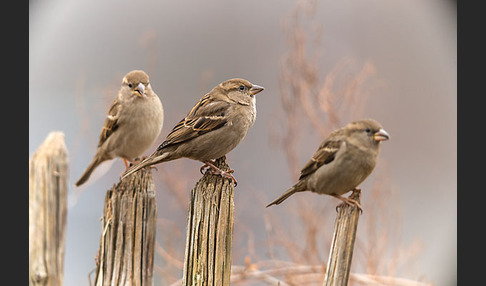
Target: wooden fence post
[(341, 253), (48, 185), (209, 238), (127, 243)]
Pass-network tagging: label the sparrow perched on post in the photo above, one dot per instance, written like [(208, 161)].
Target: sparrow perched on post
[(344, 160), (134, 121), (213, 127)]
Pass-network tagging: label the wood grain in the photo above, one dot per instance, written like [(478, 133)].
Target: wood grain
[(210, 230), (341, 253), (127, 243), (48, 186)]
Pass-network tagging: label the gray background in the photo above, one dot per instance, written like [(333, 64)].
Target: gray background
[(80, 50)]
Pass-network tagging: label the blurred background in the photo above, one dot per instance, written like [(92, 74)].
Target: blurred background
[(323, 64)]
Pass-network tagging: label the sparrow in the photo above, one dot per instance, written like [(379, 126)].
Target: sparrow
[(213, 127), (134, 121), (344, 160)]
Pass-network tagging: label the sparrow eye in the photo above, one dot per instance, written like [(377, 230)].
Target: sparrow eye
[(130, 85), (368, 130), (241, 88)]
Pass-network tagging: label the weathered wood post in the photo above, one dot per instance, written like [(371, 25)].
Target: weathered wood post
[(48, 186), (127, 243), (341, 253), (209, 238)]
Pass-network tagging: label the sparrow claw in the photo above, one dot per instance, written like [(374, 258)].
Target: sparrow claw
[(349, 202), (202, 168), (131, 163), (225, 174), (216, 171)]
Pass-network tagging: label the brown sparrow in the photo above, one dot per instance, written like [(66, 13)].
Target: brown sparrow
[(134, 121), (344, 160), (213, 127)]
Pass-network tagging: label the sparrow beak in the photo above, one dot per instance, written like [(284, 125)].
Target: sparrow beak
[(381, 135), (139, 90), (256, 89)]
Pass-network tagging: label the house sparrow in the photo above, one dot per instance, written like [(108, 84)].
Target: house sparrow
[(134, 121), (344, 160), (213, 127)]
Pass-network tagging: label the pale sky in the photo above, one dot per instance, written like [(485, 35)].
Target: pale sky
[(79, 52)]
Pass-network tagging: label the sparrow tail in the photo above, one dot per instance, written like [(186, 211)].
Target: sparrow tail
[(87, 173), (284, 196), (144, 163)]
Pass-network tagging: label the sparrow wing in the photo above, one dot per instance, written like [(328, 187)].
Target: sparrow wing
[(111, 122), (325, 154), (207, 115)]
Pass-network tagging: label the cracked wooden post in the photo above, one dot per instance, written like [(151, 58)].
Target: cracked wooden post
[(127, 243), (341, 253), (48, 185), (209, 238)]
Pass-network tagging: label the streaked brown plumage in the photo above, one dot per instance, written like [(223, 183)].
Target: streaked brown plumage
[(213, 127), (344, 160), (134, 121)]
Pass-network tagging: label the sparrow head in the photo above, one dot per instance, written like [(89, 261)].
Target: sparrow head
[(137, 81), (367, 130), (240, 90)]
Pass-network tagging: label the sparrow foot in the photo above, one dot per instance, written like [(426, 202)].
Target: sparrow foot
[(131, 163), (217, 171), (203, 167), (127, 163), (347, 201)]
